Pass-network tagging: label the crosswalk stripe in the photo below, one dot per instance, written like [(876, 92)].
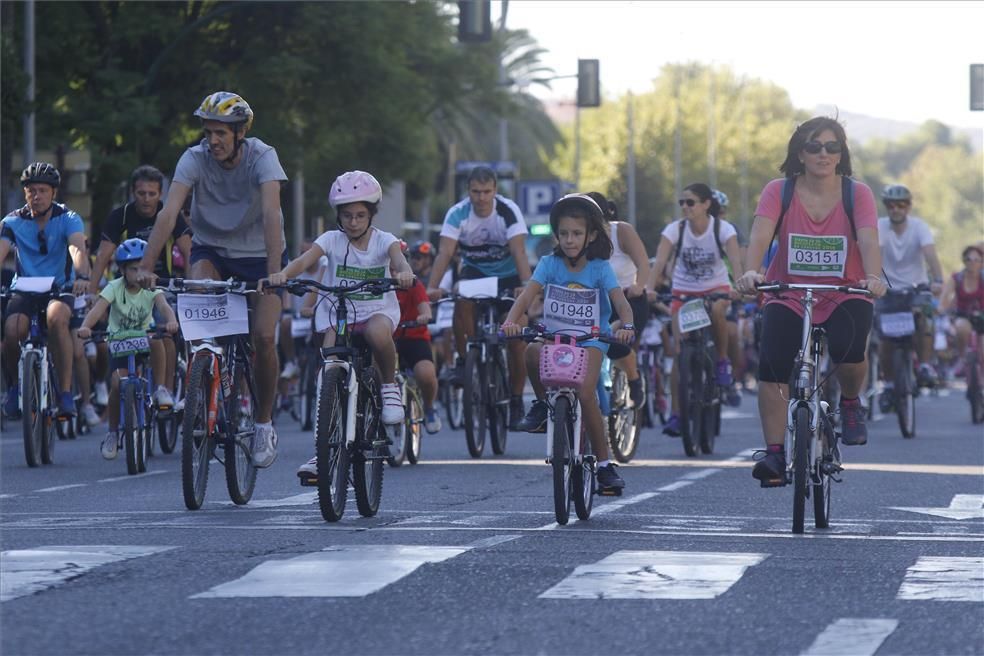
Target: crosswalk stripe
[(855, 636), (941, 578), (656, 575), (27, 571)]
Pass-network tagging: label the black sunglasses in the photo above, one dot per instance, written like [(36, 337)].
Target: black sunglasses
[(814, 147), (689, 202), (42, 242)]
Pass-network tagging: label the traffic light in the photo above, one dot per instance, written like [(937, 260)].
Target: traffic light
[(588, 84), (474, 21)]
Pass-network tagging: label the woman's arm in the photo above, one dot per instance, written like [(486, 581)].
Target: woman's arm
[(871, 259), (663, 252), (758, 244), (622, 307), (949, 294), (630, 242)]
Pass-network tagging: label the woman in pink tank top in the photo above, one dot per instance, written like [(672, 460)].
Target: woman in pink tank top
[(964, 295)]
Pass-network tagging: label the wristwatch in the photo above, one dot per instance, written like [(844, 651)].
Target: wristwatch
[(628, 326)]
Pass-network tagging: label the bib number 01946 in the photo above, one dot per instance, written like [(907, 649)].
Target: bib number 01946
[(212, 315)]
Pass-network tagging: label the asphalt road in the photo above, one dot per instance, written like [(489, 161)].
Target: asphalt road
[(464, 556)]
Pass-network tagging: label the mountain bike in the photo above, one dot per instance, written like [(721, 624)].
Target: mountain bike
[(651, 369), (623, 418), (975, 369), (348, 429), (406, 443), (897, 325), (814, 459), (215, 322)]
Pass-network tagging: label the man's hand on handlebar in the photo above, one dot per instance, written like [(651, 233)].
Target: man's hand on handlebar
[(435, 294), (146, 279), (875, 285), (273, 280), (635, 290), (84, 333)]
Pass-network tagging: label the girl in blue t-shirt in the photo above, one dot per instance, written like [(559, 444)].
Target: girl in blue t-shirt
[(579, 289)]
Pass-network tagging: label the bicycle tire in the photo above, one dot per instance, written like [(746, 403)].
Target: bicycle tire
[(168, 427), (398, 450), (710, 407), (623, 422), (801, 453), (132, 436), (473, 405), (415, 425), (330, 447), (646, 375), (905, 391), (871, 385), (240, 472), (498, 409), (166, 437), (50, 421), (583, 481), (196, 443), (822, 485), (975, 393), (561, 461), (455, 406), (691, 387), (32, 416), (309, 392), (367, 471)]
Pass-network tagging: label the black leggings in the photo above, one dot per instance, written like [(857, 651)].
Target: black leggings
[(782, 329)]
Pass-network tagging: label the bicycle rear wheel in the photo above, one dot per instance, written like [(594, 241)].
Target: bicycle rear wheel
[(239, 468), (623, 422), (309, 389), (168, 426), (196, 443), (975, 392), (473, 405), (367, 460), (710, 408), (50, 421), (415, 425), (583, 480), (498, 409), (33, 416), (691, 389), (801, 454), (132, 434), (332, 452), (398, 450), (562, 460), (905, 392)]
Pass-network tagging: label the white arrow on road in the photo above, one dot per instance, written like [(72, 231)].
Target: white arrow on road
[(963, 506)]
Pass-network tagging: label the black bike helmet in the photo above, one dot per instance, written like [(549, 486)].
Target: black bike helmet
[(40, 172)]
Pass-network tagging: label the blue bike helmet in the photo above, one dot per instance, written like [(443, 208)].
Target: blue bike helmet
[(132, 250)]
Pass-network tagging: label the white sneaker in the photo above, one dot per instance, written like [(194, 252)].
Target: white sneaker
[(90, 415), (102, 393), (163, 398), (291, 370), (264, 445), (110, 446), (392, 404), (432, 421), (179, 406), (309, 468)]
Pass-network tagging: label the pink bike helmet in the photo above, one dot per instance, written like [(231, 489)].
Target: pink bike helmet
[(354, 187)]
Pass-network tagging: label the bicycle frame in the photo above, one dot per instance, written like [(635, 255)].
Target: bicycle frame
[(807, 388)]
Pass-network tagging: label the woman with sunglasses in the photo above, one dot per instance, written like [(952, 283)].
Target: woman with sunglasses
[(699, 243), (816, 161)]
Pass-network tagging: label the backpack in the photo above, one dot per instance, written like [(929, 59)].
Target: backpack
[(847, 198)]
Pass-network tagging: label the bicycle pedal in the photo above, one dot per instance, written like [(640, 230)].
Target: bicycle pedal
[(773, 482), (609, 491), (307, 480)]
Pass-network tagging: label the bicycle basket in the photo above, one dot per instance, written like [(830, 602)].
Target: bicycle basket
[(563, 365)]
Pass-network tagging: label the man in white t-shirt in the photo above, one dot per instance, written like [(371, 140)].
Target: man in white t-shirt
[(907, 247)]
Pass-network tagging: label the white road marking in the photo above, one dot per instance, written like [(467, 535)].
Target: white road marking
[(963, 506), (7, 496), (341, 571), (656, 575), (742, 456), (61, 487), (607, 508), (130, 478), (855, 636), (940, 578), (304, 499), (699, 474), (734, 414), (27, 571), (676, 485)]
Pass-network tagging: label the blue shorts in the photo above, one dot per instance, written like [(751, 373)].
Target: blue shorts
[(249, 269)]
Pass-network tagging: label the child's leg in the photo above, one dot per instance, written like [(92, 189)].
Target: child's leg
[(533, 369), (158, 362), (114, 398), (379, 335), (426, 377), (594, 424)]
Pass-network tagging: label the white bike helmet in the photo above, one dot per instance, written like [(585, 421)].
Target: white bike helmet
[(354, 187), (226, 107), (720, 197), (896, 192)]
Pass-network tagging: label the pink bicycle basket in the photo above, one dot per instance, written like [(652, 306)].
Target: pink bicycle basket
[(563, 365)]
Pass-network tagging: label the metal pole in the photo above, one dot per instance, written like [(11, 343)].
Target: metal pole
[(29, 71), (677, 145), (711, 136), (503, 122), (577, 148), (631, 165), (299, 226)]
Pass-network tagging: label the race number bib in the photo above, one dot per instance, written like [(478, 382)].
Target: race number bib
[(571, 311), (350, 276), (33, 284), (300, 327), (125, 343), (479, 288), (897, 324), (693, 316), (212, 315), (652, 334), (445, 316), (817, 256)]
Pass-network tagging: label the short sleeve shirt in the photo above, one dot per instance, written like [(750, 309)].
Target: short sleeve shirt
[(226, 205), (798, 223), (596, 274), (129, 310), (20, 229), (347, 265), (125, 222), (410, 300), (484, 241), (902, 257), (699, 268)]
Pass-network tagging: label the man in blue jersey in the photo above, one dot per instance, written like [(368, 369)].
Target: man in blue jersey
[(490, 232), (50, 242)]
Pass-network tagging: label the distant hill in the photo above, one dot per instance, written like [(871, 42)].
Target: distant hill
[(864, 128)]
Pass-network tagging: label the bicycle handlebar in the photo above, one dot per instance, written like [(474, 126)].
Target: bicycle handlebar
[(301, 287), (683, 298), (775, 287), (179, 285), (532, 334)]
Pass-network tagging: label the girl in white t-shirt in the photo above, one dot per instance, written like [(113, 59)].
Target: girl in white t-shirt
[(356, 252), (699, 270)]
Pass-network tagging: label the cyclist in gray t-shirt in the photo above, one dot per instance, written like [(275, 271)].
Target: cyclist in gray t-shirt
[(238, 230)]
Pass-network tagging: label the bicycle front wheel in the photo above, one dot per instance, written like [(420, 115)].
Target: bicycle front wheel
[(801, 466), (196, 443), (975, 392), (473, 405), (583, 480), (562, 458), (905, 392), (710, 408), (50, 421), (367, 461), (333, 461), (691, 392), (240, 472), (33, 416), (132, 434), (498, 409)]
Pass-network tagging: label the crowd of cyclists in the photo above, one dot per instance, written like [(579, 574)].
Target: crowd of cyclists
[(222, 219)]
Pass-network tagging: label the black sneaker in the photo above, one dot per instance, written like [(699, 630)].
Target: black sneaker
[(636, 393), (535, 420), (771, 469), (516, 411), (886, 401), (608, 477), (853, 430)]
